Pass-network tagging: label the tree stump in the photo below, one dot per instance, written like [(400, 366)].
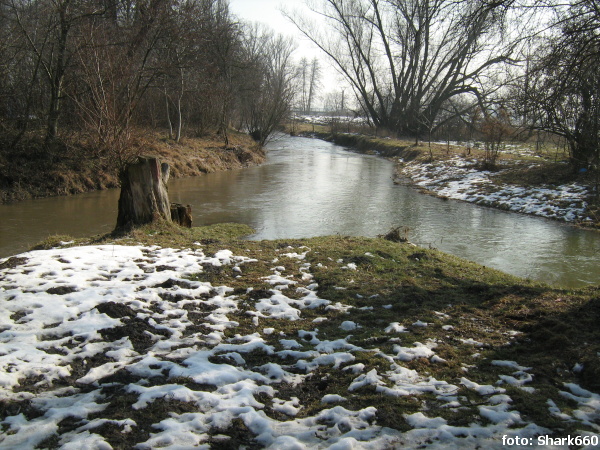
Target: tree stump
[(181, 215), (144, 198)]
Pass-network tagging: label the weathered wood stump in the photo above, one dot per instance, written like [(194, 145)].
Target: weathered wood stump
[(144, 198), (181, 215)]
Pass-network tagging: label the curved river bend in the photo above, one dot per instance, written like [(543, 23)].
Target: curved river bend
[(309, 187)]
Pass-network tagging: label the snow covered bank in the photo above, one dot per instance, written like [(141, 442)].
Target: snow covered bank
[(460, 179), (122, 346)]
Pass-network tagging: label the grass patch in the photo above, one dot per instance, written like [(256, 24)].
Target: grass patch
[(539, 174), (468, 315), (554, 326)]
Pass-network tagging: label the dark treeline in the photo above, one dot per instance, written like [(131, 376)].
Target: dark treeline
[(496, 69), (100, 69)]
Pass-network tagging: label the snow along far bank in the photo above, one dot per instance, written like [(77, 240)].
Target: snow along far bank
[(460, 179)]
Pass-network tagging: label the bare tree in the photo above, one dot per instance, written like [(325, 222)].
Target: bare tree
[(46, 28), (495, 129), (309, 83), (115, 66), (406, 58), (202, 69), (560, 91), (102, 68), (302, 78), (267, 97), (19, 79), (185, 55), (336, 102), (314, 83)]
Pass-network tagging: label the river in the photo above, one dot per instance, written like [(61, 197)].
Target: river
[(309, 187)]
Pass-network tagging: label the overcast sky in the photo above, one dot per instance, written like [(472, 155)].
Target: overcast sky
[(268, 12)]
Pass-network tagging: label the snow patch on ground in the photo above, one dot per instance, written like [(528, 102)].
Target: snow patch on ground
[(103, 318)]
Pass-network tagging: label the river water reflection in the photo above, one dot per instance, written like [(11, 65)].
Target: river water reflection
[(309, 187)]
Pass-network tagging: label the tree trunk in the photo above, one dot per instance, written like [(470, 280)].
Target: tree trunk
[(144, 196), (181, 215), (56, 79), (179, 113), (168, 115)]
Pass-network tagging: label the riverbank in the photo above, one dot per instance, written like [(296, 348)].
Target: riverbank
[(521, 180), (70, 167), (172, 337)]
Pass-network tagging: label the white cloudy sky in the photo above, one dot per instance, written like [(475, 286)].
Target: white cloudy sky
[(268, 12)]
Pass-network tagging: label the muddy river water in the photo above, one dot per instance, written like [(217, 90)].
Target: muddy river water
[(309, 187)]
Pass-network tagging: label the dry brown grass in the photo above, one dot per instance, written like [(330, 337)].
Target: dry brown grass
[(71, 166), (197, 156)]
